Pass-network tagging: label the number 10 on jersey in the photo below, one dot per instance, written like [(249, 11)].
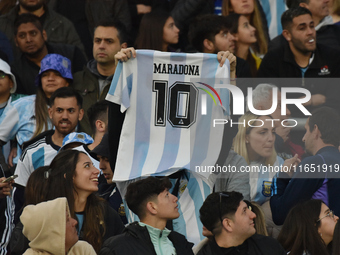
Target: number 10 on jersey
[(178, 104)]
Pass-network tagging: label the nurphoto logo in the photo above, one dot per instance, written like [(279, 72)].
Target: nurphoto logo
[(239, 103)]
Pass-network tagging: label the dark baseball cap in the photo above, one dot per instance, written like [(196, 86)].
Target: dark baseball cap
[(102, 149)]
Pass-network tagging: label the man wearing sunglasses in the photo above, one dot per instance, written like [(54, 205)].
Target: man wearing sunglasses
[(231, 222)]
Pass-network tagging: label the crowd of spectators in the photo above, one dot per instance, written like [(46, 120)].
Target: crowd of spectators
[(60, 134)]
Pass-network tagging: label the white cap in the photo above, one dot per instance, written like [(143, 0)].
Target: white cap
[(7, 70)]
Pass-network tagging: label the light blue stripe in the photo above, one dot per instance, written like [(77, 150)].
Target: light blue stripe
[(281, 7), (143, 112), (38, 158), (115, 78), (179, 224), (204, 122), (196, 195), (266, 8), (126, 93), (129, 83), (172, 135)]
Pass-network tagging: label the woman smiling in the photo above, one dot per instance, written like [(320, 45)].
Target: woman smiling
[(72, 175)]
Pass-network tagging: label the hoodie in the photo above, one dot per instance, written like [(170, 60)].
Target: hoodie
[(45, 227)]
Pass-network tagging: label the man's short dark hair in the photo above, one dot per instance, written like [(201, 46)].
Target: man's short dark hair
[(288, 16), (123, 35), (295, 3), (66, 92), (27, 18), (206, 27), (139, 193), (328, 122), (217, 206), (97, 111)]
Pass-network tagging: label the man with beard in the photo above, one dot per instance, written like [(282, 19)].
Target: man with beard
[(326, 32), (65, 112), (31, 40), (58, 28), (302, 57)]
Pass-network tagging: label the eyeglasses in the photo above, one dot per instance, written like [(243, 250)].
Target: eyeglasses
[(221, 194), (330, 214), (2, 75)]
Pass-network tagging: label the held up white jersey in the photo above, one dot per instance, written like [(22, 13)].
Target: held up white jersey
[(171, 101)]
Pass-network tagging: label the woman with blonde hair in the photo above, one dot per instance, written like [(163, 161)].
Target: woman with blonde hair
[(335, 11), (250, 10), (255, 142)]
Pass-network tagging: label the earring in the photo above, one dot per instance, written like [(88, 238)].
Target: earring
[(321, 234)]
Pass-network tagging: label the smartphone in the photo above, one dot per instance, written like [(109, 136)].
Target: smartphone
[(9, 179)]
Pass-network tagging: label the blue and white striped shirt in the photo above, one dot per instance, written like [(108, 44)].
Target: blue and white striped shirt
[(164, 129)]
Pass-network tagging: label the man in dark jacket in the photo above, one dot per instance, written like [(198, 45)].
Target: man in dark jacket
[(317, 176), (58, 28), (327, 33), (231, 222), (31, 40), (151, 201), (94, 81), (302, 57)]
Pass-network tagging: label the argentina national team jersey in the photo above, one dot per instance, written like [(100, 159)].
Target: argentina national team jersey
[(39, 153), (171, 101)]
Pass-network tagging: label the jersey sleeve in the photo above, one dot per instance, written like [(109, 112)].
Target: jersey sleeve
[(9, 123), (120, 89), (24, 169)]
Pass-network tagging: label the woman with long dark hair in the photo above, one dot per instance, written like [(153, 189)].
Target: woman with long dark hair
[(157, 31), (251, 11), (245, 37), (72, 175), (308, 229)]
